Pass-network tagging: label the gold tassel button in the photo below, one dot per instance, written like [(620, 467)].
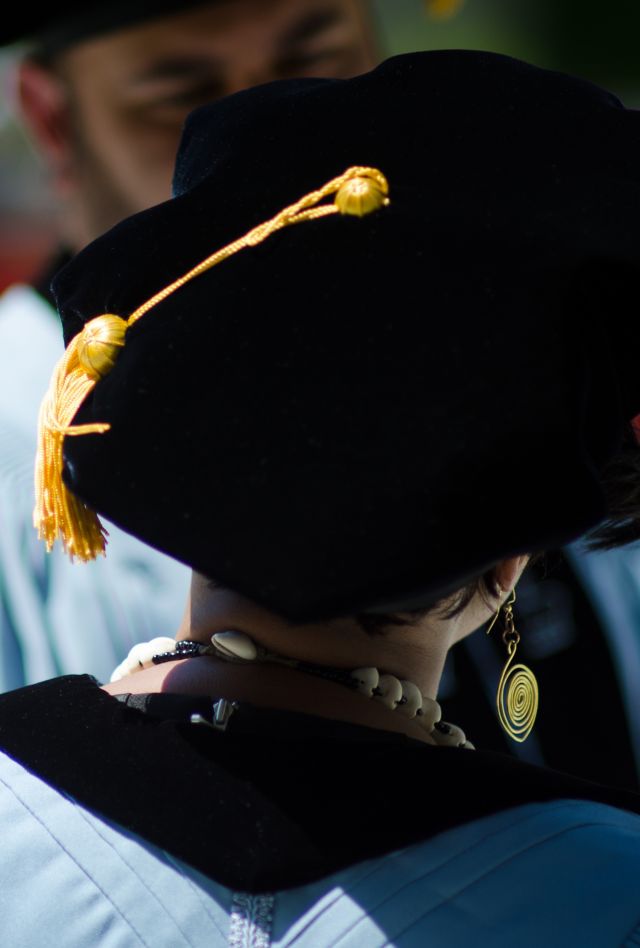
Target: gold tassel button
[(99, 344), (362, 195)]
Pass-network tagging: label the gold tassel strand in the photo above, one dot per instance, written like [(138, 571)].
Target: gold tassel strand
[(59, 513), (91, 355)]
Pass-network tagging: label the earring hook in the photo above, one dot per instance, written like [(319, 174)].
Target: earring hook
[(504, 605)]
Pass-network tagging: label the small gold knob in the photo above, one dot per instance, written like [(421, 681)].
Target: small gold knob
[(361, 195), (100, 343)]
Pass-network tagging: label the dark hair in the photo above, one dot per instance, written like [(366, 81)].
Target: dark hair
[(377, 623), (621, 483)]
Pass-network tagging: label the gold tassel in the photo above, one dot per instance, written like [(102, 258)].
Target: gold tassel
[(91, 355), (58, 513)]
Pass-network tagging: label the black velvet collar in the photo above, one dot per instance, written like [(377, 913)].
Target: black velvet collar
[(279, 799)]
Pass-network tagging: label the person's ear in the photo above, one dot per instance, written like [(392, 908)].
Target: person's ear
[(509, 571), (43, 100)]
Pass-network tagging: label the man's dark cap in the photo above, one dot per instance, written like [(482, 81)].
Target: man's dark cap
[(56, 27), (365, 413)]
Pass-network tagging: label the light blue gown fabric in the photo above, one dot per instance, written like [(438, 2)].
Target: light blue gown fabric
[(611, 581), (57, 617), (565, 873)]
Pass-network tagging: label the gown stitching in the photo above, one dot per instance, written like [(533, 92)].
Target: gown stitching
[(495, 868), (469, 849), (82, 868), (134, 871), (196, 889), (341, 894), (378, 868)]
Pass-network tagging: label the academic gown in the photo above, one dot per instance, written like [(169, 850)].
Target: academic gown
[(123, 823)]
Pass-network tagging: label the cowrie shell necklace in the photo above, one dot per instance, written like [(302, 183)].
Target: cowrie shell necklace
[(397, 694)]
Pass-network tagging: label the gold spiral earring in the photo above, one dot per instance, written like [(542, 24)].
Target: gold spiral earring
[(517, 695)]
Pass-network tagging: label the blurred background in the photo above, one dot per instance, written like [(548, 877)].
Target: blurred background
[(592, 39)]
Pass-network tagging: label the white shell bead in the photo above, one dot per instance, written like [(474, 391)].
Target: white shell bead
[(430, 714), (414, 699), (162, 644), (367, 679), (235, 645), (141, 655), (143, 652), (120, 672), (391, 690), (454, 736)]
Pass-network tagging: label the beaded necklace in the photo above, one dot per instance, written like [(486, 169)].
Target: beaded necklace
[(397, 694)]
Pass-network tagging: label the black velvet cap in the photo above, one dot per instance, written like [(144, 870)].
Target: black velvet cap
[(64, 24), (364, 413)]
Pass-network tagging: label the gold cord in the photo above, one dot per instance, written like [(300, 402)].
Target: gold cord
[(91, 355)]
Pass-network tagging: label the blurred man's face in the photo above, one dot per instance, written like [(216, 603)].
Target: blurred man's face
[(129, 91)]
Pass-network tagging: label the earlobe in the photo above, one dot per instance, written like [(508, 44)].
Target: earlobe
[(44, 103), (508, 571)]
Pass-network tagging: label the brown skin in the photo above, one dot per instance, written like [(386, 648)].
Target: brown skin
[(108, 115), (416, 652)]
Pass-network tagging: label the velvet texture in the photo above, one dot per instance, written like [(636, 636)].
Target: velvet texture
[(364, 413)]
